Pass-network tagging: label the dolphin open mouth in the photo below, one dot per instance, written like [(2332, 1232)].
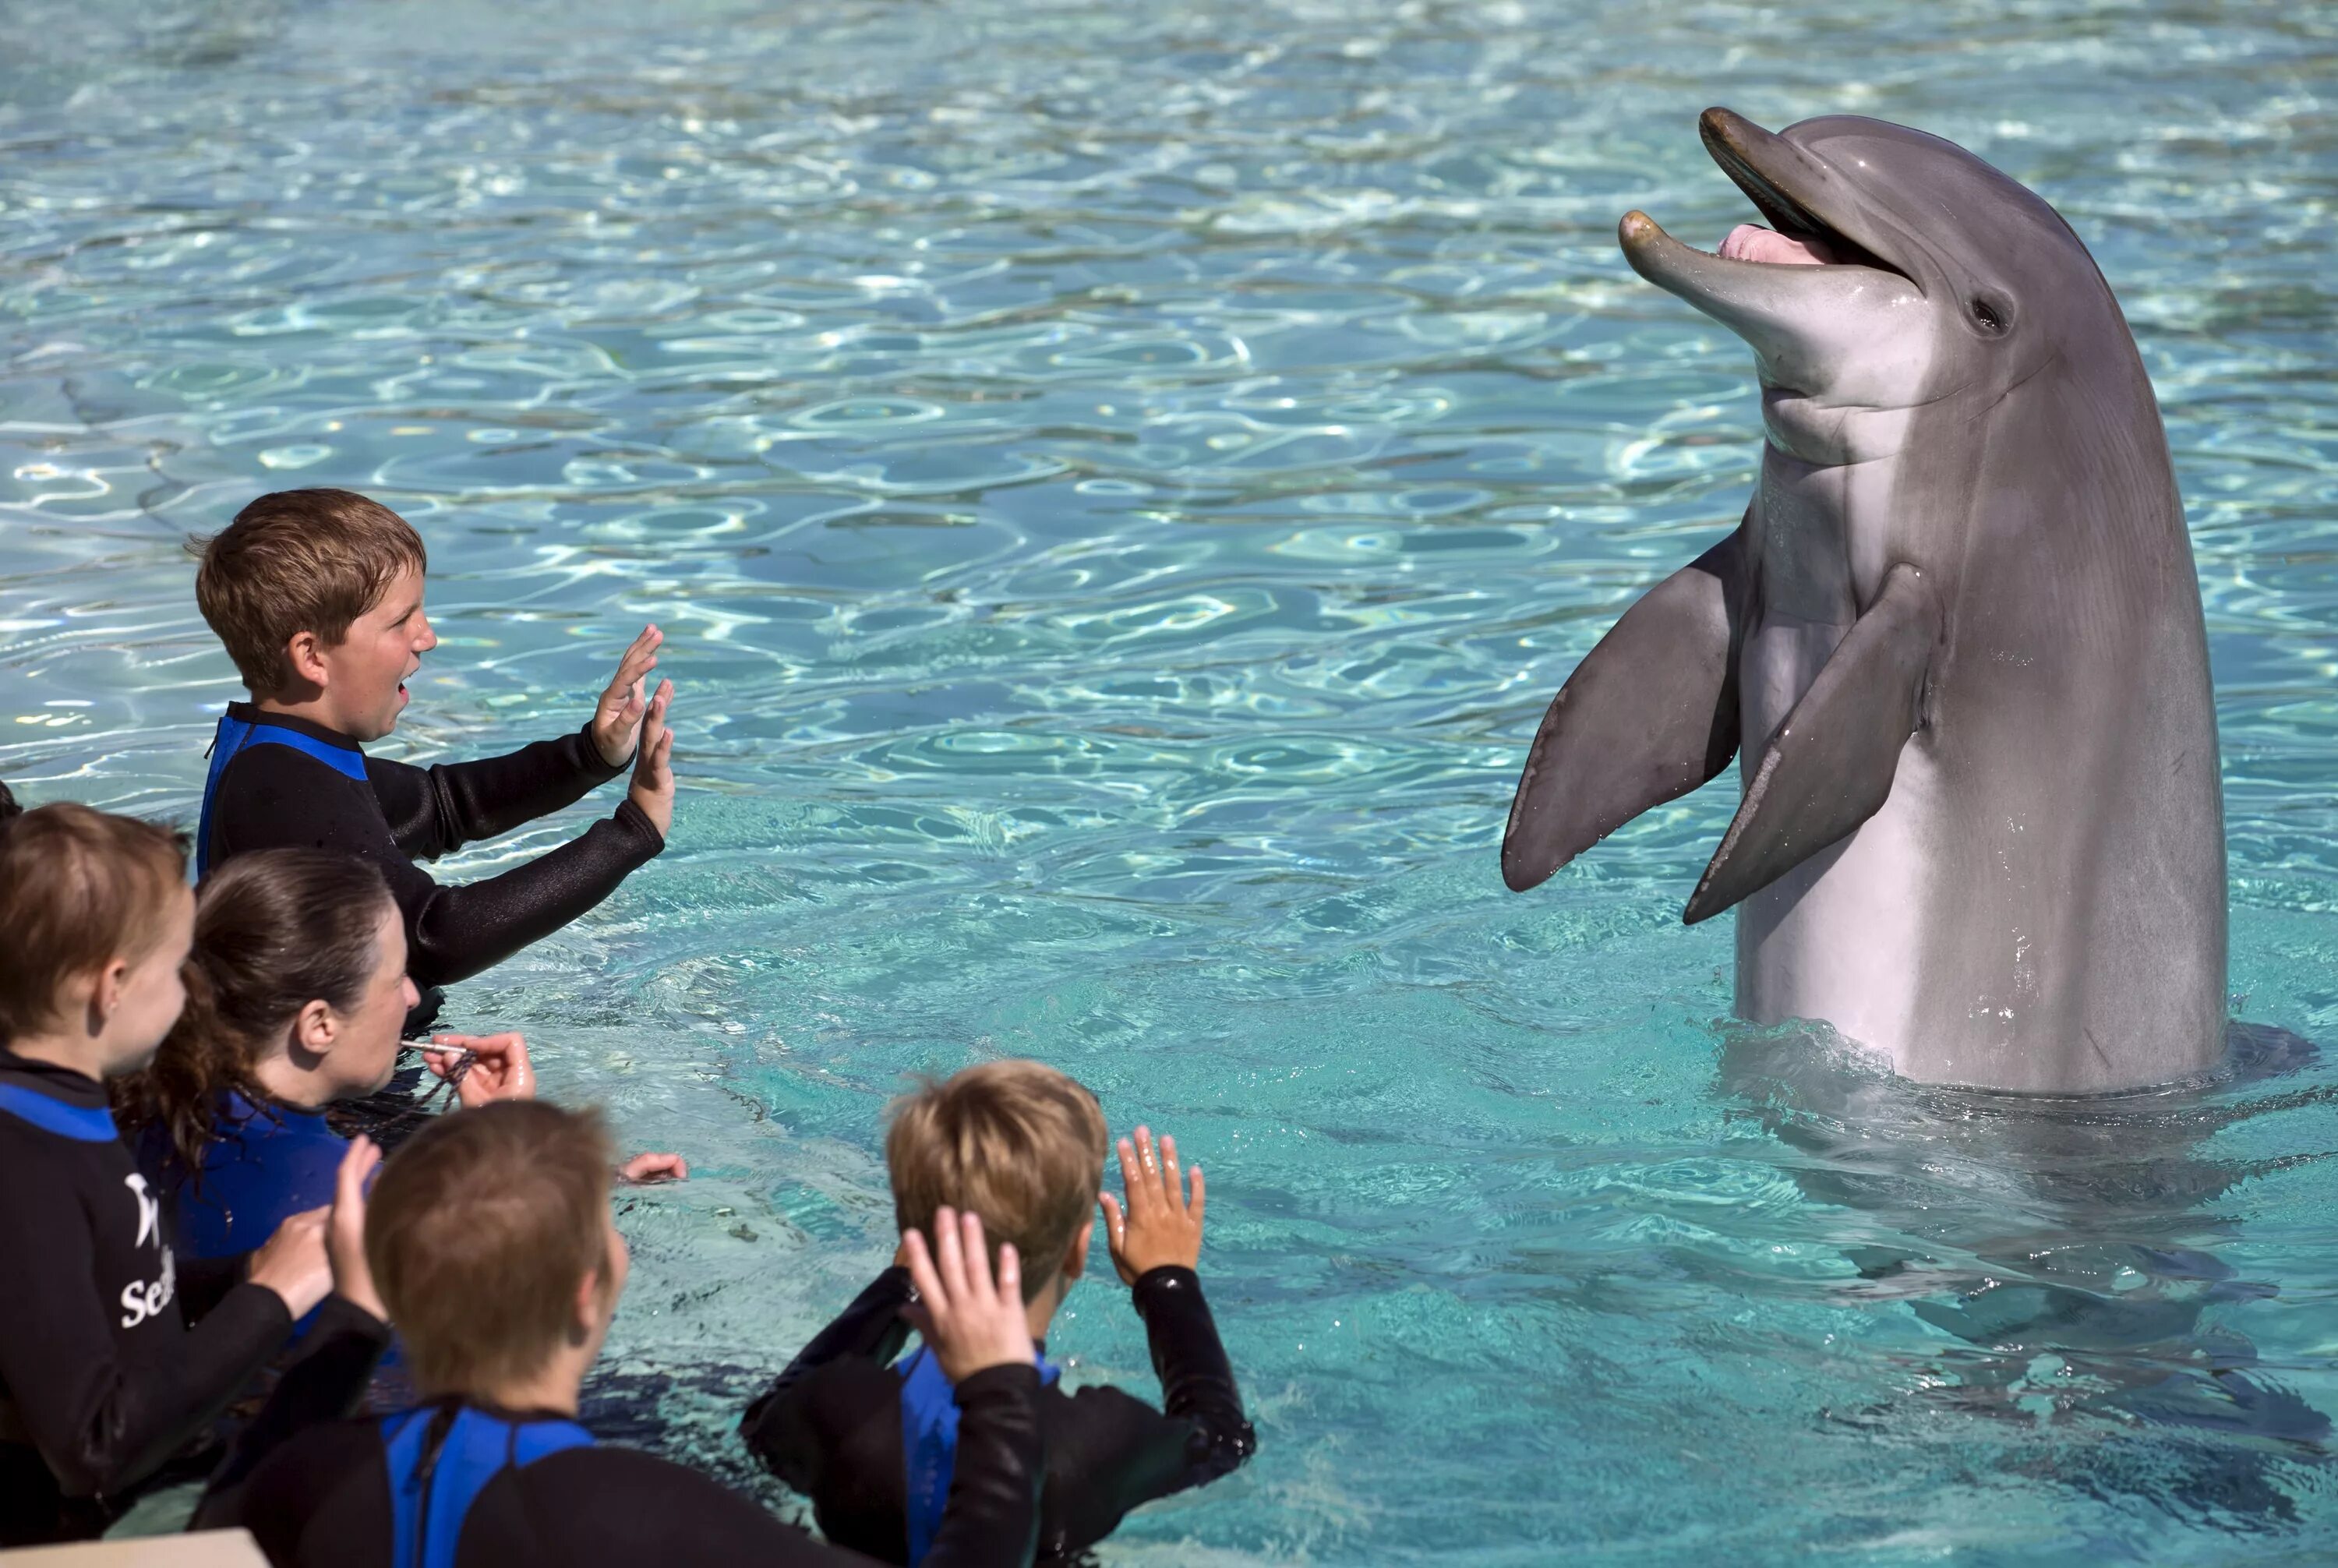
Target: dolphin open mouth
[(1775, 175)]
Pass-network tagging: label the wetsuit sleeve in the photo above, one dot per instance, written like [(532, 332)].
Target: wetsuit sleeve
[(320, 1502), (338, 1355), (778, 1425), (100, 1420), (1197, 1382), (204, 1282), (275, 796), (434, 811), (993, 1515)]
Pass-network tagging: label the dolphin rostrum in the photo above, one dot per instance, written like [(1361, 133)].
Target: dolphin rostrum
[(1957, 639)]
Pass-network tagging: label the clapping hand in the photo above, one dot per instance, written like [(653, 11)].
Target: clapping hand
[(653, 788), (345, 1230), (1157, 1228), (617, 718), (971, 1324)]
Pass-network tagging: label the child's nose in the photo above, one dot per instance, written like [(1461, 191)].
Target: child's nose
[(426, 639)]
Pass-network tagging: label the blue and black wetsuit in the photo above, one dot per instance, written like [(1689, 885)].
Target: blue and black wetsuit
[(858, 1436), (460, 1485), (102, 1382), (279, 782), (265, 1163)]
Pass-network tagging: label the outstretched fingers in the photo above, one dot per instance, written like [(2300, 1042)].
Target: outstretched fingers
[(639, 660)]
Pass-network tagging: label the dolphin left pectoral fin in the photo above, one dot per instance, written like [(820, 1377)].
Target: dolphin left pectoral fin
[(1830, 766), (1649, 715)]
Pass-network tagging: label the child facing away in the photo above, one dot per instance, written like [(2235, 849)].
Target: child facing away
[(317, 595), (296, 987), (489, 1236), (102, 1382), (870, 1442)]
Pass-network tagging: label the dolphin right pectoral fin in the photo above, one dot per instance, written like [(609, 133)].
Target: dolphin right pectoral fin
[(1650, 714), (1830, 766)]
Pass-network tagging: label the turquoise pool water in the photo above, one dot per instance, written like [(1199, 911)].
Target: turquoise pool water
[(1121, 483)]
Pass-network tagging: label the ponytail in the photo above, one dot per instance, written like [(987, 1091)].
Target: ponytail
[(274, 931)]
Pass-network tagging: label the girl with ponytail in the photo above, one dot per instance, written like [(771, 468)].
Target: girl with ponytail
[(296, 989)]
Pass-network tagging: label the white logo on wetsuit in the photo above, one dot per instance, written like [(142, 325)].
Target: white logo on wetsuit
[(140, 1302), (150, 1210)]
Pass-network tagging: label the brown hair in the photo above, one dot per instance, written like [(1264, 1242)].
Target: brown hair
[(9, 810), (274, 930), (1014, 1141), (298, 561), (478, 1233), (78, 888)]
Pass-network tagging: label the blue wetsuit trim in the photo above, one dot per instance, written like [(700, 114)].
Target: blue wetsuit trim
[(432, 1485), (81, 1123), (929, 1417), (233, 736)]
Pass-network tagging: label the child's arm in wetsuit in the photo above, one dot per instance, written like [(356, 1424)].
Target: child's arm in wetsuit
[(100, 1418), (277, 796), (343, 1347), (436, 810), (1197, 1381), (778, 1426), (1156, 1237)]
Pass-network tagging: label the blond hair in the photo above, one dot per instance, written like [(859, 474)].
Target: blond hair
[(1017, 1143), (298, 561), (479, 1231), (78, 890)]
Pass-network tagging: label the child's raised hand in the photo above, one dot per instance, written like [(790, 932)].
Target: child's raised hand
[(345, 1230), (971, 1323), (643, 1169), (617, 719), (1158, 1228), (652, 790), (496, 1069)]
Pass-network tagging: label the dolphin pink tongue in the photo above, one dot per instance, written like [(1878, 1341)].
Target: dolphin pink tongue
[(1751, 242)]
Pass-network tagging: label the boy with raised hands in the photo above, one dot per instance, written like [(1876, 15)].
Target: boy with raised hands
[(871, 1441), (490, 1238), (317, 595), (102, 1383)]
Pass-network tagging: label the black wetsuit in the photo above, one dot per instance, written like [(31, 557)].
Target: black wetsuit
[(268, 795), (831, 1426), (541, 1493), (100, 1380)]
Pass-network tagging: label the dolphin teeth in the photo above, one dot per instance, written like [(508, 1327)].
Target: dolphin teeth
[(1751, 242)]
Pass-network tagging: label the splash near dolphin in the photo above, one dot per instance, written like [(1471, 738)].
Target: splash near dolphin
[(1956, 642)]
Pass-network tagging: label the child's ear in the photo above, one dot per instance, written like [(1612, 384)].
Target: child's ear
[(586, 1309), (106, 984), (1075, 1261), (305, 654)]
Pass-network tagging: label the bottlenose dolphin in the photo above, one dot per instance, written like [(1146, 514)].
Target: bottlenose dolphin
[(1957, 637)]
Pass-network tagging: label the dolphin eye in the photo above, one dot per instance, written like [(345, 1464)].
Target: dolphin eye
[(1987, 315)]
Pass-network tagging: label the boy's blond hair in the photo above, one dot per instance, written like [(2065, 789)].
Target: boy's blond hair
[(478, 1233), (298, 561), (1017, 1143)]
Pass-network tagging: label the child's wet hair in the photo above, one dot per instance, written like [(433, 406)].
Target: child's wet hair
[(78, 890), (274, 930), (298, 561)]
